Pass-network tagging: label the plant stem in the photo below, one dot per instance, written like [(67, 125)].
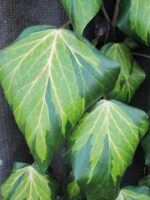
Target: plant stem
[(141, 55), (105, 12), (116, 13), (65, 25)]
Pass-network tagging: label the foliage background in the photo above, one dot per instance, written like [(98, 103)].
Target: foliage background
[(15, 15)]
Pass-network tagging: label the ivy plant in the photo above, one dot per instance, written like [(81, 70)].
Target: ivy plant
[(68, 89)]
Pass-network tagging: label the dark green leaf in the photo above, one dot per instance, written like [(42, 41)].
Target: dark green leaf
[(134, 193), (134, 19), (131, 75), (130, 43), (26, 183), (145, 181), (146, 148), (103, 145), (81, 12), (50, 78)]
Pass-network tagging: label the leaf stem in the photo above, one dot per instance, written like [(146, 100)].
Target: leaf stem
[(116, 13), (105, 12), (65, 25), (141, 55)]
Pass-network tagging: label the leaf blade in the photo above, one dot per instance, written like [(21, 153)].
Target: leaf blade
[(94, 146), (131, 75), (135, 193), (26, 183), (81, 13), (47, 78), (133, 22)]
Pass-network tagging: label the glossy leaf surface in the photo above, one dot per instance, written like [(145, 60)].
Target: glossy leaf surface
[(103, 145), (133, 20), (131, 75), (134, 193), (26, 182), (81, 12), (50, 78)]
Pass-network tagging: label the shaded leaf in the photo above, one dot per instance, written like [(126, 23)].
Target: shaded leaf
[(103, 145), (146, 148), (26, 182), (134, 193), (133, 20), (80, 12), (145, 181), (130, 43), (73, 190), (50, 78), (131, 75)]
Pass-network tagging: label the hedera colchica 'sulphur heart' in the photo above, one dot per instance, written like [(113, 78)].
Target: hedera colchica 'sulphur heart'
[(103, 145), (131, 75), (26, 182), (134, 193), (50, 78), (81, 12), (134, 19)]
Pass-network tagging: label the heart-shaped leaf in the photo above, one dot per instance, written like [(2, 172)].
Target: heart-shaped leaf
[(133, 20), (81, 12), (131, 75), (50, 78), (134, 193), (103, 145), (26, 182)]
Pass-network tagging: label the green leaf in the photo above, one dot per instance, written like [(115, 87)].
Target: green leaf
[(133, 20), (103, 145), (73, 190), (130, 43), (33, 29), (134, 193), (146, 148), (131, 75), (80, 13), (26, 182), (145, 181), (50, 78)]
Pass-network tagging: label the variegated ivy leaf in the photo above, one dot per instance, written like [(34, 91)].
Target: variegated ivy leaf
[(103, 145), (131, 75), (134, 193), (81, 12), (50, 78), (26, 182), (134, 19)]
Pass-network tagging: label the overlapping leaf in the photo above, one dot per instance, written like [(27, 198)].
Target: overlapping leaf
[(131, 75), (50, 78), (103, 145), (145, 181), (73, 190), (134, 19), (26, 182), (80, 12), (134, 193), (146, 148)]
